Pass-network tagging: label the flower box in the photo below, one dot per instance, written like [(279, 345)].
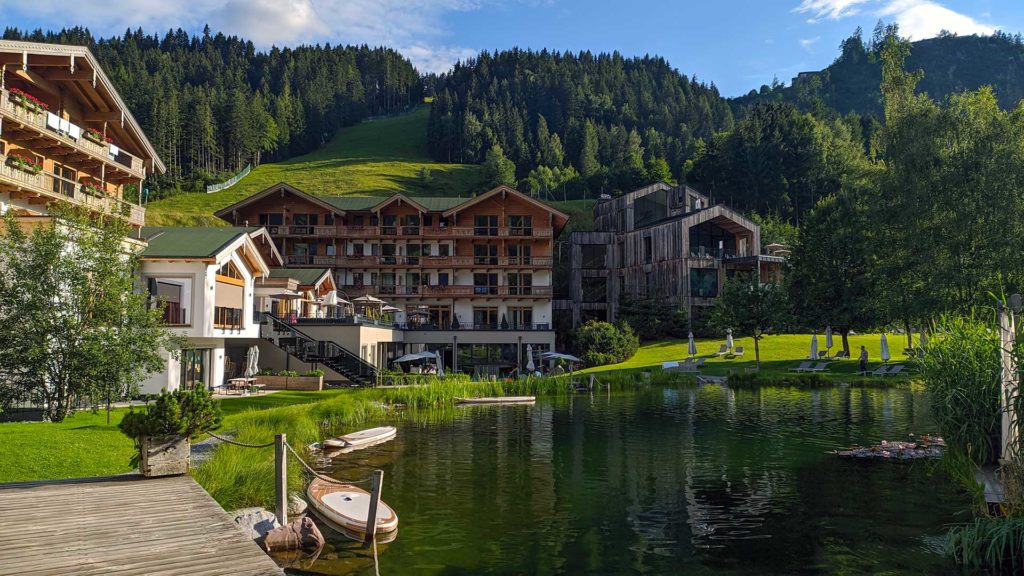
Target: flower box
[(93, 190), (96, 136), (27, 101), (24, 164), (164, 455)]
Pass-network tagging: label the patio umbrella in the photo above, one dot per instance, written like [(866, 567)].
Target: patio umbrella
[(252, 359), (828, 337), (440, 364), (691, 347), (885, 349), (728, 338), (530, 366), (367, 299), (390, 308), (814, 347)]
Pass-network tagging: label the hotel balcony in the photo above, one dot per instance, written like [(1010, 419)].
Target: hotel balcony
[(410, 232), (46, 187), (435, 261), (60, 142), (448, 291)]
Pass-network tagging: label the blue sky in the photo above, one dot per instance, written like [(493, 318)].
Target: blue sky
[(737, 44)]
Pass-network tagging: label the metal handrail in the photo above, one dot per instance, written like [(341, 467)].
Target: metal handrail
[(323, 348)]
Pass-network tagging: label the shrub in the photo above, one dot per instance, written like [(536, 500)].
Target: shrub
[(316, 372), (288, 373), (180, 413), (599, 343)]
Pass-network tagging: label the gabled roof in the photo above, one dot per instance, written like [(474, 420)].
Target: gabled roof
[(203, 244), (367, 203), (562, 216), (304, 276), (398, 198), (225, 213), (52, 55)]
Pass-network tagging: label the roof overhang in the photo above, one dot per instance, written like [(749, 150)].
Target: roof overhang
[(399, 198), (282, 188), (560, 218), (76, 66)]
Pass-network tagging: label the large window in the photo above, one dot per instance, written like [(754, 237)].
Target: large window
[(411, 225), (704, 282), (175, 295), (65, 182), (485, 225), (520, 284), (519, 254), (485, 318), (194, 363), (484, 283), (648, 250), (520, 225), (593, 256), (595, 289), (485, 254), (272, 219), (389, 224), (709, 240), (520, 317)]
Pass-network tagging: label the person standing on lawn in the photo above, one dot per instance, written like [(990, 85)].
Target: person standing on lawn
[(863, 359)]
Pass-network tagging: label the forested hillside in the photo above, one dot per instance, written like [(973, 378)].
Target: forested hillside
[(576, 124), (213, 103), (951, 64)]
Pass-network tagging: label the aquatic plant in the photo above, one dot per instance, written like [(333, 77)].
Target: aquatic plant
[(990, 543)]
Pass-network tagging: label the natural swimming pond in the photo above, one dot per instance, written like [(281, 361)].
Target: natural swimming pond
[(697, 480)]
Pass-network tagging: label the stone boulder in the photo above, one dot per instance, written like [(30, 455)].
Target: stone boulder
[(299, 534), (255, 522), (296, 504)]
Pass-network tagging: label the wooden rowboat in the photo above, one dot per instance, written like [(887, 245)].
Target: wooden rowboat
[(498, 400), (347, 506), (363, 438)]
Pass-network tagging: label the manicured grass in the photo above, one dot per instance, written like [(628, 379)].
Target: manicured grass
[(375, 158), (778, 354)]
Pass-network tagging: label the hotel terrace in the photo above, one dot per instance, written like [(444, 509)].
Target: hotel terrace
[(466, 274), (66, 135)]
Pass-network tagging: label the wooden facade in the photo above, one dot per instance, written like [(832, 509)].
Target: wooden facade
[(66, 135), (664, 244)]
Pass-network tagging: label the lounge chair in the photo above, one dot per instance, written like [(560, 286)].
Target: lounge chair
[(895, 370), (803, 367), (880, 371), (722, 351), (819, 367), (699, 362), (841, 354), (737, 352), (669, 366), (823, 354)]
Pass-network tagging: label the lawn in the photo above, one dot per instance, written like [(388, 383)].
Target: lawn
[(778, 354), (375, 158), (85, 445)]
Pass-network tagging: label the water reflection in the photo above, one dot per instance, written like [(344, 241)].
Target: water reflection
[(700, 480)]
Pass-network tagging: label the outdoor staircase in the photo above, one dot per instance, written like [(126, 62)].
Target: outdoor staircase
[(308, 349)]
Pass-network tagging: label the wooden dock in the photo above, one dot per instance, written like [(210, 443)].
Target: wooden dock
[(122, 525)]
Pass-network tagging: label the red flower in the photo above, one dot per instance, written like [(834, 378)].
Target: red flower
[(30, 98)]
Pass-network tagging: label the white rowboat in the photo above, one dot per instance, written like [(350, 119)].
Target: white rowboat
[(498, 400), (348, 506), (363, 438)]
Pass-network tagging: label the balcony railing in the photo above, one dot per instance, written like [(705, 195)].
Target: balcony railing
[(227, 318), (309, 260), (99, 151), (440, 261), (449, 290), (440, 231), (174, 314), (304, 230), (53, 186)]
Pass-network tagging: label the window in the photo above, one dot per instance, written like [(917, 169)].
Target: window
[(520, 317), (193, 367), (648, 250), (709, 240), (358, 250), (412, 282), (357, 220), (442, 278), (594, 288), (389, 224), (485, 225), (328, 219), (272, 219), (519, 254), (388, 253), (330, 250), (485, 318), (411, 224), (175, 295), (593, 256), (485, 254), (64, 183), (412, 252), (520, 284), (229, 270), (704, 282), (443, 250), (485, 283), (305, 219), (520, 225)]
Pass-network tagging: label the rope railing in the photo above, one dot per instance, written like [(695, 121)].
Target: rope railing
[(321, 476), (242, 444)]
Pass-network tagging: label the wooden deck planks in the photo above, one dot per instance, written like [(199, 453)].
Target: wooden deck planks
[(122, 525)]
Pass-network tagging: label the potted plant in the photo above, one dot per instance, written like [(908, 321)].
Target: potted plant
[(27, 101), (162, 430), (96, 136), (25, 163), (92, 190)]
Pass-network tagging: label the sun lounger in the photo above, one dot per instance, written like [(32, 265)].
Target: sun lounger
[(803, 367), (722, 351), (670, 366), (880, 371), (819, 367), (840, 354), (737, 352), (895, 370), (699, 362)]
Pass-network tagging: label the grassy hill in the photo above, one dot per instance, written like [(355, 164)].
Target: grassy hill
[(378, 157)]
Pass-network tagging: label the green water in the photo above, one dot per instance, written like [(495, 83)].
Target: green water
[(665, 481)]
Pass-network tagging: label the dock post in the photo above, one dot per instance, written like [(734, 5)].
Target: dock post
[(376, 484), (281, 479)]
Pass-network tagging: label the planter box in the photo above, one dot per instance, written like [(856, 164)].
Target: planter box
[(94, 138), (164, 455), (24, 167), (23, 102), (291, 382)]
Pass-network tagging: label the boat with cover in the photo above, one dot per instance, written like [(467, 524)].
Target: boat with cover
[(361, 439), (348, 506)]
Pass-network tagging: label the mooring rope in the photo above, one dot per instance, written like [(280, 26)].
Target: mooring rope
[(321, 476), (243, 445)]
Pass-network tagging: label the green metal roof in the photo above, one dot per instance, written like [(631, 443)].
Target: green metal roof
[(360, 203), (304, 276), (166, 242)]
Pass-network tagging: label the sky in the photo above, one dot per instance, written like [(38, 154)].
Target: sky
[(736, 44)]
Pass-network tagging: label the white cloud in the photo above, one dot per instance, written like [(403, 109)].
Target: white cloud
[(416, 27), (918, 19), (807, 43), (830, 9)]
